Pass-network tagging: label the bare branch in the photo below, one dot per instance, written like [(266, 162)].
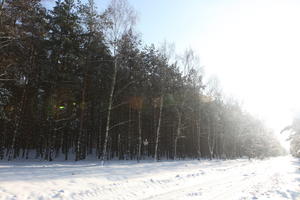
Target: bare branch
[(119, 124), (3, 74), (7, 79), (118, 105), (65, 119), (123, 88)]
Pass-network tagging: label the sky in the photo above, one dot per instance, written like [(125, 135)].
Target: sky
[(252, 46)]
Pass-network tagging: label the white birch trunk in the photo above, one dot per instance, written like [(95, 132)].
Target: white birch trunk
[(158, 128), (110, 102)]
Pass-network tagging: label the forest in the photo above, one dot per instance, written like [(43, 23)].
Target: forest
[(78, 83)]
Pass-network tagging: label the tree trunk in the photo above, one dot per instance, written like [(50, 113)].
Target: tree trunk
[(11, 151), (99, 136), (82, 112), (178, 134), (140, 135), (2, 141), (119, 146), (211, 141), (199, 138), (110, 102), (129, 135), (158, 128)]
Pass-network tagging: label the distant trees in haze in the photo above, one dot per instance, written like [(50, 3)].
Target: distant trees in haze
[(76, 83), (294, 136)]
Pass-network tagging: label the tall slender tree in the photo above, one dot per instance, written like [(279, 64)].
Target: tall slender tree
[(122, 18)]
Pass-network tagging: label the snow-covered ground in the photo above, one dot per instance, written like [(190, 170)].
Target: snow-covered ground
[(275, 178)]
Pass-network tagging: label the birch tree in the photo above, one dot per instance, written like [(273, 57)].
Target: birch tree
[(122, 18), (189, 62)]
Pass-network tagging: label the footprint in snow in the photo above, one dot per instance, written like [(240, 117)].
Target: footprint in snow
[(193, 194), (58, 194)]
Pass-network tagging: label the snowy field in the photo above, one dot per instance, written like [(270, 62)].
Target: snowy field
[(276, 178)]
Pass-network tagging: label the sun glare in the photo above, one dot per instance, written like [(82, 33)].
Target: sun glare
[(254, 48)]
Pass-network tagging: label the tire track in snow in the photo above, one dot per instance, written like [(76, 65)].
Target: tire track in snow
[(223, 186)]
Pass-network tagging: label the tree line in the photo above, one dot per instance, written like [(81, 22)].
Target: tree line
[(294, 135), (78, 83)]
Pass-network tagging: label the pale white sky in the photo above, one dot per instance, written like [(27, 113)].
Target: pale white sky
[(253, 46)]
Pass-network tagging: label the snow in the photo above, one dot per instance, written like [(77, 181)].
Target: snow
[(275, 178)]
